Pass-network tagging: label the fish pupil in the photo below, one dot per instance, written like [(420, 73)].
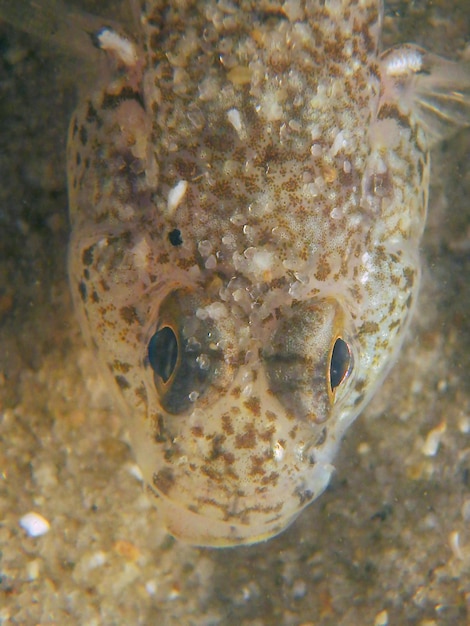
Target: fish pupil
[(163, 353), (340, 363)]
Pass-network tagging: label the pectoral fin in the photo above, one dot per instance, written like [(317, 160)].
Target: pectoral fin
[(434, 90)]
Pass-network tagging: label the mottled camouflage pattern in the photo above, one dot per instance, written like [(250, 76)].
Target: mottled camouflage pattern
[(252, 184)]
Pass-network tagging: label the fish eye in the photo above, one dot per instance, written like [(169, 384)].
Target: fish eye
[(340, 363), (183, 353), (163, 353)]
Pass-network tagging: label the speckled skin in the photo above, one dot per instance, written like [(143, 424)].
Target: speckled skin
[(269, 137)]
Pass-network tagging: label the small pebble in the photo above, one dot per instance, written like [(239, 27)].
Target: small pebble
[(135, 471), (151, 587), (464, 424), (34, 524), (431, 445), (454, 542), (32, 570), (381, 619), (466, 510)]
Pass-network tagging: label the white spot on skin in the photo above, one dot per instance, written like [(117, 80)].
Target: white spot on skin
[(135, 471), (271, 107), (316, 150), (294, 10), (34, 524), (263, 260), (403, 61), (278, 452), (141, 253), (235, 119), (215, 311), (338, 144), (176, 195), (205, 248), (120, 46), (211, 263)]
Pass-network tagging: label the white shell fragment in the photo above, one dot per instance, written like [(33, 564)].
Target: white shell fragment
[(34, 524)]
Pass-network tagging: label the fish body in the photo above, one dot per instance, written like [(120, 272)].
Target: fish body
[(247, 198)]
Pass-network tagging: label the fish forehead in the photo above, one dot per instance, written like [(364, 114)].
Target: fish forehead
[(243, 167), (241, 116)]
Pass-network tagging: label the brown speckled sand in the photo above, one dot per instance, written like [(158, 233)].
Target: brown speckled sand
[(388, 543)]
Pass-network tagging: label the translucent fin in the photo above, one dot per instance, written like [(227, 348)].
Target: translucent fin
[(435, 90)]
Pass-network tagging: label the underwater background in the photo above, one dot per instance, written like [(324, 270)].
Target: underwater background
[(389, 541)]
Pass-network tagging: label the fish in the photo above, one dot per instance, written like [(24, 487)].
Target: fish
[(248, 190)]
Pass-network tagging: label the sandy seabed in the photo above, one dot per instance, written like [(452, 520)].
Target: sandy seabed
[(387, 544)]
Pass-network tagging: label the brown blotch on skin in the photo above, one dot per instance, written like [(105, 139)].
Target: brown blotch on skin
[(185, 264), (271, 479), (359, 399), (359, 386), (122, 382), (82, 290), (305, 496), (119, 366), (185, 168), (257, 463), (129, 314), (160, 434), (409, 277), (254, 406), (141, 394), (197, 431), (293, 432), (267, 435), (391, 111), (248, 439), (394, 324), (164, 480), (212, 473), (87, 256), (229, 458), (227, 425), (83, 135), (217, 447), (290, 185), (91, 114), (270, 416), (369, 328), (323, 269), (95, 297)]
